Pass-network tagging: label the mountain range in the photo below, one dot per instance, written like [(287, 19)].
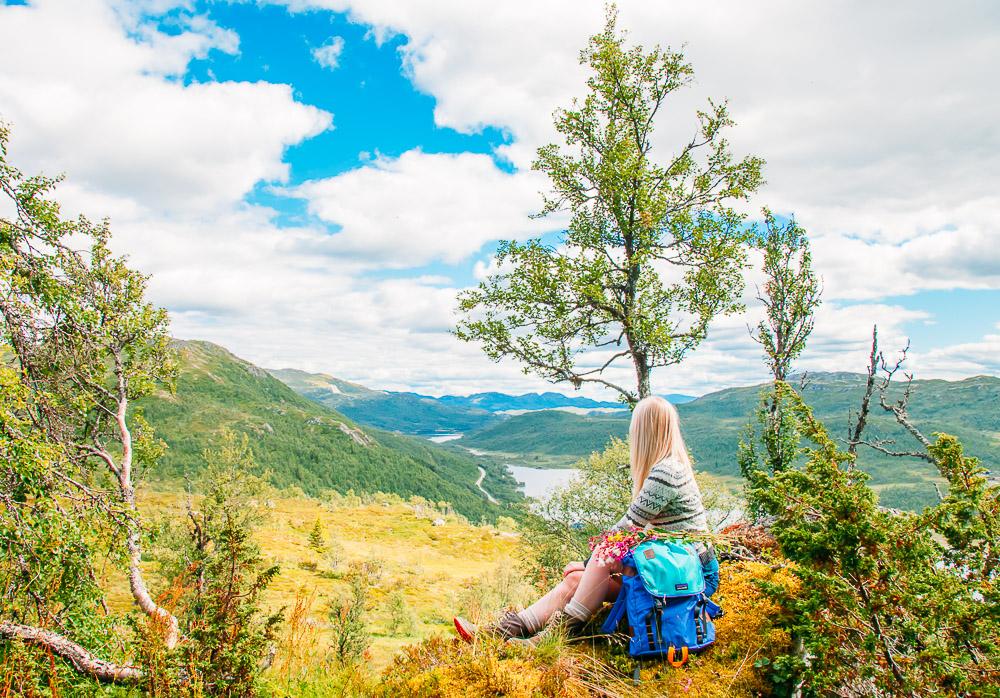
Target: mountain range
[(413, 413), (543, 431), (712, 426), (318, 432)]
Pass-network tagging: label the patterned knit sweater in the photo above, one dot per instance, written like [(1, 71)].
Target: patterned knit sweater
[(669, 500)]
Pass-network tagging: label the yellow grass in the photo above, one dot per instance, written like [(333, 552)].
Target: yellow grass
[(431, 565)]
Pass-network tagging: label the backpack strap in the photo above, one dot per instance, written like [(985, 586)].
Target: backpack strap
[(713, 609), (616, 614)]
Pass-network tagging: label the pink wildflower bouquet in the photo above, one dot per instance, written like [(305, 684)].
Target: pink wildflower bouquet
[(612, 546)]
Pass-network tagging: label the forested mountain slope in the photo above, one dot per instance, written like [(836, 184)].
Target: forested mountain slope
[(969, 409), (405, 412), (412, 413), (301, 442)]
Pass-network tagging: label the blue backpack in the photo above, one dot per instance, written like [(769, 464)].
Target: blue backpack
[(663, 596)]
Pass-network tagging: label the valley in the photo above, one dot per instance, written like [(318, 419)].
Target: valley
[(305, 445), (475, 451), (556, 437)]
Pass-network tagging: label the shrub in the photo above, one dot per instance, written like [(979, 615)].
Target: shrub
[(334, 556), (317, 537), (402, 620), (219, 576), (892, 602), (347, 614)]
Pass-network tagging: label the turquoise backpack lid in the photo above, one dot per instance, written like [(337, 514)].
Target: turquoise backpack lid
[(668, 568)]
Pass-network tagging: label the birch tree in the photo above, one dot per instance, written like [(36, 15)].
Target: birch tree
[(654, 250), (79, 344)]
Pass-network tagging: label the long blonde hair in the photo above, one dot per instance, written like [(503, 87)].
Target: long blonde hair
[(654, 434)]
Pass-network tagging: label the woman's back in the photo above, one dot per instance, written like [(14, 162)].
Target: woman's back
[(669, 499)]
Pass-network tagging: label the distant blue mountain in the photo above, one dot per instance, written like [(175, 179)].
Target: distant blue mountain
[(412, 413), (679, 399), (500, 402)]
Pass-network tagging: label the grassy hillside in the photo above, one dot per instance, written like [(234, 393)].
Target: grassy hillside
[(303, 443), (409, 552), (969, 409), (405, 412)]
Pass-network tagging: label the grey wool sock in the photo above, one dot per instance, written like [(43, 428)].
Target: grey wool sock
[(576, 610), (531, 623)]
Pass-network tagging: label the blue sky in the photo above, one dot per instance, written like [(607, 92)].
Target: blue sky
[(376, 109), (325, 216)]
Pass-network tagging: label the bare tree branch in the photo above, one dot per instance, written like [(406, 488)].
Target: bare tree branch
[(81, 659)]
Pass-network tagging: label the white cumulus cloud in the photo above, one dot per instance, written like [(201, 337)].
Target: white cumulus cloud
[(877, 121), (328, 55), (423, 207)]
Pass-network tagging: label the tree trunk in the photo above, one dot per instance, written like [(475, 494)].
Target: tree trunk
[(80, 658), (133, 537), (642, 375)]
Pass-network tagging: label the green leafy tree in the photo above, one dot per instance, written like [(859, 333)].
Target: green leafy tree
[(654, 249), (351, 637), (790, 295), (402, 620), (79, 343)]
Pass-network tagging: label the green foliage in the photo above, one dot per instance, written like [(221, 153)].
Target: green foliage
[(790, 294), (768, 446), (351, 637), (317, 537), (78, 343), (402, 620), (890, 602), (630, 216), (300, 442), (550, 432), (220, 575), (558, 529)]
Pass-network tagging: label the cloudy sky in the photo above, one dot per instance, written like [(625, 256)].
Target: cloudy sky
[(311, 182)]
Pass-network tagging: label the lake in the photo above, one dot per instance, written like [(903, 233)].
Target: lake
[(538, 482), (442, 438)]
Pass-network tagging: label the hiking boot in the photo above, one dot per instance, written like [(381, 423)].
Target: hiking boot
[(510, 626), (561, 623)]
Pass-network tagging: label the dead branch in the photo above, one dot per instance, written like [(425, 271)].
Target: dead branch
[(874, 361)]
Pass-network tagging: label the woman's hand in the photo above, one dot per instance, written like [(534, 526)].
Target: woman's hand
[(572, 567)]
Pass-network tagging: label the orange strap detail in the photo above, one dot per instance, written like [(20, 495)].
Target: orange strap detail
[(683, 660)]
